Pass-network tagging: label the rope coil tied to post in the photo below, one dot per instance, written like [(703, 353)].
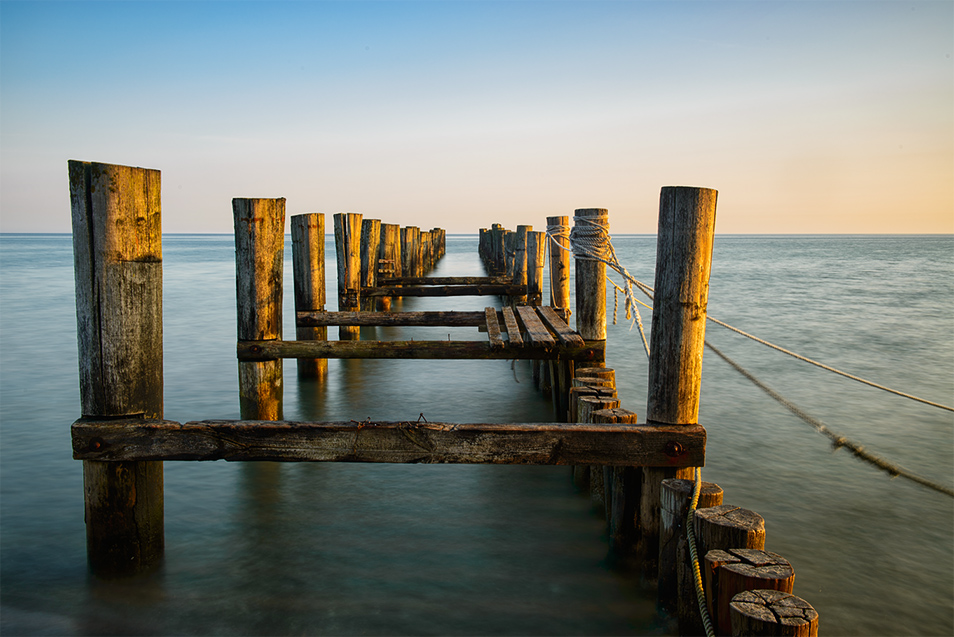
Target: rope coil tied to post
[(590, 240)]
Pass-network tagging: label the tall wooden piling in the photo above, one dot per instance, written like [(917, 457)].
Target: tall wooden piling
[(536, 248), (520, 275), (308, 262), (559, 230), (683, 259), (117, 252), (591, 277), (370, 246), (259, 265), (389, 256), (348, 250)]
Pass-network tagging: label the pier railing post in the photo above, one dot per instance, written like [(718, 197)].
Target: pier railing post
[(348, 251), (683, 260), (259, 267), (308, 259), (117, 252)]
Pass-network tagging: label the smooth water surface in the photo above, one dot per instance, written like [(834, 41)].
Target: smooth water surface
[(261, 548)]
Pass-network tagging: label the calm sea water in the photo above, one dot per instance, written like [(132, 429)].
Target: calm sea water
[(257, 548)]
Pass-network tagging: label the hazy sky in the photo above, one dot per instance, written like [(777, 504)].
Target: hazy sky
[(807, 117)]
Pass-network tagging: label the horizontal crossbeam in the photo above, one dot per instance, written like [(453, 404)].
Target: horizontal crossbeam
[(445, 280), (394, 442), (434, 350), (394, 319), (448, 290)]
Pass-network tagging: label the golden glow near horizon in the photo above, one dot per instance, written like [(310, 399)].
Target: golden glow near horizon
[(806, 117)]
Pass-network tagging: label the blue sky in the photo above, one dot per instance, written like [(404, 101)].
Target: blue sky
[(808, 117)]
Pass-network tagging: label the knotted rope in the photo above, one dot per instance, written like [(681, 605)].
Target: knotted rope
[(590, 241)]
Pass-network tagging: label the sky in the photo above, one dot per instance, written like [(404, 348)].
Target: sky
[(807, 117)]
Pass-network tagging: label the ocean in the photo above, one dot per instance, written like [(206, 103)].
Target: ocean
[(353, 549)]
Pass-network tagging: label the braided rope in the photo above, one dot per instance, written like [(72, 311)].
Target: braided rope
[(648, 291), (694, 555), (590, 241), (838, 440)]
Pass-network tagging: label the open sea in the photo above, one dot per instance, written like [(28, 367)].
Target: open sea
[(360, 549)]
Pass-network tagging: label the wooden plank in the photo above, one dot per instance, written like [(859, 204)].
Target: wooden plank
[(536, 331), (397, 442), (493, 328), (446, 290), (445, 280), (513, 332), (564, 332), (433, 350), (406, 319)]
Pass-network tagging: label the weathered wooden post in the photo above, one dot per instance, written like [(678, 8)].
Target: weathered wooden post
[(259, 265), (370, 246), (308, 263), (536, 247), (427, 252), (390, 257), (675, 496), (558, 229), (348, 250), (520, 262), (498, 249), (591, 276), (720, 527), (415, 250), (683, 260), (761, 613), (622, 483), (730, 572), (117, 253)]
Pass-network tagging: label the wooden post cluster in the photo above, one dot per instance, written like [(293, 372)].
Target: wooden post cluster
[(117, 252)]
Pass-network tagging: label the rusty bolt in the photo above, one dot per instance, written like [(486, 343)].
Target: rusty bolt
[(95, 444), (673, 449)]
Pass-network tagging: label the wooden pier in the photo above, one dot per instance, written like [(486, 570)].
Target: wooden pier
[(639, 473)]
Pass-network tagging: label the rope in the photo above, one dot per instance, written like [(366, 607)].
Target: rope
[(831, 369), (648, 291), (590, 241), (838, 440), (694, 555)]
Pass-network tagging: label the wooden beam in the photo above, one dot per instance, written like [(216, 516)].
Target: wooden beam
[(563, 331), (407, 319), (513, 332), (397, 442), (447, 290), (493, 328), (445, 280), (536, 331), (434, 350)]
